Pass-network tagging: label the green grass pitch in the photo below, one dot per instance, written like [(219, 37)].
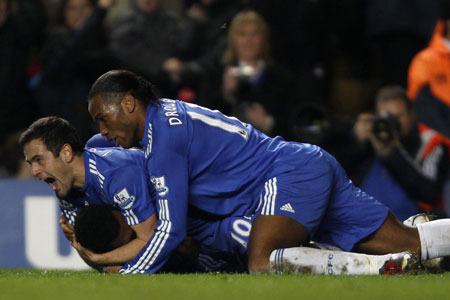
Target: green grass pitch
[(66, 285)]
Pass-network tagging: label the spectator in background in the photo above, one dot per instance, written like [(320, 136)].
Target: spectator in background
[(397, 30), (74, 55), (143, 37), (429, 77), (21, 25), (400, 162), (205, 25), (300, 41), (249, 84), (12, 160)]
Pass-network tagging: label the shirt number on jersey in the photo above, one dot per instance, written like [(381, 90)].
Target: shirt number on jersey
[(216, 122), (241, 231)]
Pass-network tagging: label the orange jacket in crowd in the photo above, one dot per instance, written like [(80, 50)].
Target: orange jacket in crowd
[(429, 83)]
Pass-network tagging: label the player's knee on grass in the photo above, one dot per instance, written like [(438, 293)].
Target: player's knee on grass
[(269, 233), (258, 265)]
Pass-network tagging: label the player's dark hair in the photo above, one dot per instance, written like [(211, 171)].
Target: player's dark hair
[(54, 133), (96, 228), (115, 84)]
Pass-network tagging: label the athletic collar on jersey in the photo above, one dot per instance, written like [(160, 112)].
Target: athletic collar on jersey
[(147, 140)]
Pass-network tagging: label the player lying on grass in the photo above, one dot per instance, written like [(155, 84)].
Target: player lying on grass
[(114, 176), (219, 165), (102, 228)]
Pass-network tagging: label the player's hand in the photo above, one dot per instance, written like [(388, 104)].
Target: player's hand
[(111, 269), (67, 228), (87, 254)]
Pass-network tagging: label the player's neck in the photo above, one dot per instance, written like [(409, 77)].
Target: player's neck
[(140, 128), (79, 174)]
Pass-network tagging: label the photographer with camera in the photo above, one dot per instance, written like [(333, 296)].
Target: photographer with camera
[(248, 83), (398, 161)]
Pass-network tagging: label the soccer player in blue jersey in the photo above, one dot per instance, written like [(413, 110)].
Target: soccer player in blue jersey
[(108, 177), (103, 228), (221, 166), (115, 177)]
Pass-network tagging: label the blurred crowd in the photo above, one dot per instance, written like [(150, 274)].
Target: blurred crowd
[(366, 80)]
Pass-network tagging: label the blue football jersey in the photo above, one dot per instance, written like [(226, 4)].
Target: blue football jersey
[(215, 162), (212, 162), (113, 176), (200, 160), (117, 177)]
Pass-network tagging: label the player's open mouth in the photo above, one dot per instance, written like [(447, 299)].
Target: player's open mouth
[(51, 182)]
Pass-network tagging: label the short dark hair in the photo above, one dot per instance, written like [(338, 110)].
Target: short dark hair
[(96, 228), (54, 133), (116, 83), (390, 92)]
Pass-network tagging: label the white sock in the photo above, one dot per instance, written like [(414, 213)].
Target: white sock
[(434, 238), (325, 262)]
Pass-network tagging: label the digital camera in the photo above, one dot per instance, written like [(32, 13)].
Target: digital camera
[(385, 126)]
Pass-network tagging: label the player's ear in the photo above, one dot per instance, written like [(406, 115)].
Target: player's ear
[(128, 103), (66, 153)]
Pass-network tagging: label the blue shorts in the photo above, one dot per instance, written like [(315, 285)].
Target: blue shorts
[(318, 194), (230, 234)]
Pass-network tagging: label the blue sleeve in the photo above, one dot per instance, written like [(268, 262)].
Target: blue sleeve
[(99, 141), (128, 188), (169, 177)]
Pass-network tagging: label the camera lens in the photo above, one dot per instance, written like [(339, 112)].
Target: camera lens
[(384, 126)]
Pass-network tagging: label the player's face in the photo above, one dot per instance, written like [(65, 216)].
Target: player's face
[(249, 42), (113, 122), (45, 166), (126, 234)]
